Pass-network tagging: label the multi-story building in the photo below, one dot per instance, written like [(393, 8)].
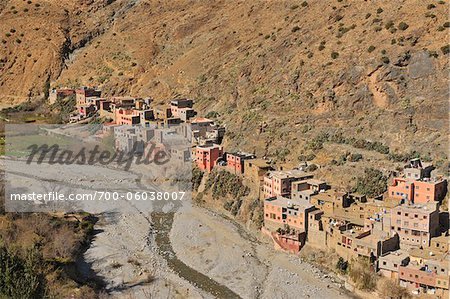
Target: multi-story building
[(59, 94), (415, 224), (389, 263), (182, 108), (416, 185), (303, 190), (278, 183), (316, 232), (235, 161), (426, 278), (281, 211), (330, 200), (206, 156)]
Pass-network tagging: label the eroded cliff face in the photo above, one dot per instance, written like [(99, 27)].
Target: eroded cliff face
[(278, 73)]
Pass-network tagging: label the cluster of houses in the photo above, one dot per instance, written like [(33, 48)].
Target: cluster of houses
[(402, 233)]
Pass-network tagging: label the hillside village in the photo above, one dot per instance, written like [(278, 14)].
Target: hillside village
[(402, 234)]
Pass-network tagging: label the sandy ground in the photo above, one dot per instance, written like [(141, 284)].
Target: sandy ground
[(123, 241), (220, 249)]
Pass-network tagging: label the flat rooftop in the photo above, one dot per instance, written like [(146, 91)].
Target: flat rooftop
[(395, 256), (283, 174), (285, 202)]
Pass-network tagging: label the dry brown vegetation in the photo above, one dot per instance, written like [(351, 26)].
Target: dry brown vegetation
[(58, 243), (277, 73)]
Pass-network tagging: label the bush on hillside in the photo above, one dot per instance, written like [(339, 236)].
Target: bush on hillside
[(372, 184)]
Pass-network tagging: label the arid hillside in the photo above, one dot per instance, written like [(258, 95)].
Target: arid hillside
[(288, 78)]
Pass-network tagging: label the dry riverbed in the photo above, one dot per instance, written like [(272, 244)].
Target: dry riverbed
[(222, 250)]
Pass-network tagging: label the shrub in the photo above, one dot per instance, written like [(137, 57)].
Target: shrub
[(355, 157), (295, 29), (372, 184), (133, 64), (342, 265), (19, 276), (120, 74), (18, 41), (304, 4), (295, 6), (440, 28), (393, 41), (431, 6), (334, 55), (312, 167), (445, 49), (212, 114), (8, 34), (389, 25), (379, 10), (197, 176), (361, 273), (385, 60), (391, 289), (403, 26), (371, 49), (12, 30), (321, 47), (446, 24), (116, 265), (368, 15)]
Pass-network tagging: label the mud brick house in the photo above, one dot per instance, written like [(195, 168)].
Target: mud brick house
[(423, 279), (316, 233), (206, 131), (235, 161), (389, 263), (182, 108), (256, 169), (370, 244), (330, 200), (303, 190), (278, 183), (206, 156), (85, 92), (415, 224), (59, 94)]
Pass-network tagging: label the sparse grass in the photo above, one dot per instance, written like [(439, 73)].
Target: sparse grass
[(116, 265), (445, 49), (403, 26)]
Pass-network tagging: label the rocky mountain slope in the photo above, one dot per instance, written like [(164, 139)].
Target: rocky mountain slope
[(279, 73)]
